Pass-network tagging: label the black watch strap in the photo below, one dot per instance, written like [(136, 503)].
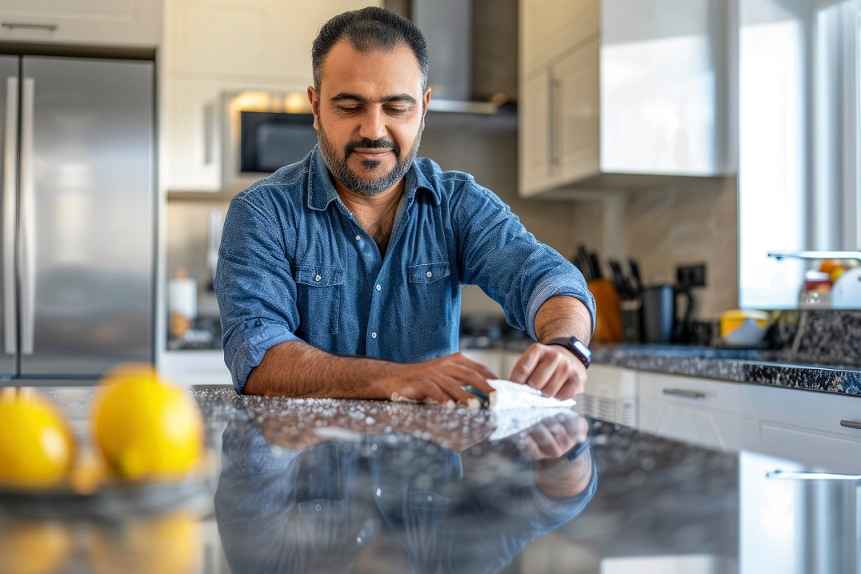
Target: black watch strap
[(576, 346)]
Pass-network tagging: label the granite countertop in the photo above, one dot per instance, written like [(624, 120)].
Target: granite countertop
[(326, 485), (774, 368)]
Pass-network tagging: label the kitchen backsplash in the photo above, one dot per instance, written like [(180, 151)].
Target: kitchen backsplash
[(826, 336), (690, 222)]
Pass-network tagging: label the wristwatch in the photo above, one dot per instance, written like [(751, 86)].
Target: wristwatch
[(576, 346)]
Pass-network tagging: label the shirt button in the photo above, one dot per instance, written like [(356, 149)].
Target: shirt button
[(429, 274), (317, 277), (358, 238), (379, 287), (373, 334)]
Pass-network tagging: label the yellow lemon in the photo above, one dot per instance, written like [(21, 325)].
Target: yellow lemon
[(37, 448), (145, 428)]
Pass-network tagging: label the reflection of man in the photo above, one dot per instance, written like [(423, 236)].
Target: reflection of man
[(339, 276), (315, 510)]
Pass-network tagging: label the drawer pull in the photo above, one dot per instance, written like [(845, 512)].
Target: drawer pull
[(801, 475), (30, 26), (846, 423), (685, 393)]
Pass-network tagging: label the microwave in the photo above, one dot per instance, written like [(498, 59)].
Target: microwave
[(262, 131)]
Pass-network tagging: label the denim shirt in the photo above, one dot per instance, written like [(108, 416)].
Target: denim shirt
[(294, 264)]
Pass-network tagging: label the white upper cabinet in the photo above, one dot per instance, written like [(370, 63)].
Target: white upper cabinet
[(636, 91), (558, 92), (576, 118), (535, 132), (216, 46), (135, 23)]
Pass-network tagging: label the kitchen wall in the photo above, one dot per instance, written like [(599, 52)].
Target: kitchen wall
[(691, 221), (688, 223)]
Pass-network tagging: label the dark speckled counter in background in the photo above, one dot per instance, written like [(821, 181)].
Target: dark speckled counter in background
[(773, 368)]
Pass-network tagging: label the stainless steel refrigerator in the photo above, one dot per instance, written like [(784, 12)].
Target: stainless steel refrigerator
[(78, 215)]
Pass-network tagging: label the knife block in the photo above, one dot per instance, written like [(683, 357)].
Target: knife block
[(608, 311)]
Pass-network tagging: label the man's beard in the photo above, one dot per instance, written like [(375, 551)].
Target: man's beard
[(348, 178)]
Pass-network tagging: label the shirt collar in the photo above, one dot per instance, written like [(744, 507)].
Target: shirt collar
[(322, 192)]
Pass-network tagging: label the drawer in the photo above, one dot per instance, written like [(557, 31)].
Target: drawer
[(814, 449), (717, 395), (825, 414), (697, 424)]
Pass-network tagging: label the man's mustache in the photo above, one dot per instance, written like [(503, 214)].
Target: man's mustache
[(366, 143)]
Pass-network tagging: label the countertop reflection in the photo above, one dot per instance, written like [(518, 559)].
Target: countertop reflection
[(331, 486)]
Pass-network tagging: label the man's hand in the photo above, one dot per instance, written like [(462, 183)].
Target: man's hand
[(438, 381), (554, 436), (553, 370)]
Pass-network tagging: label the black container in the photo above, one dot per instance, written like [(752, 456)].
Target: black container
[(632, 320), (660, 321)]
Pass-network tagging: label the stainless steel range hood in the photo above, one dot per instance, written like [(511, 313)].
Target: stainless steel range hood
[(473, 52)]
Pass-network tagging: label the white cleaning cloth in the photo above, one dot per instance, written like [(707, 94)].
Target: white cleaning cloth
[(519, 407), (511, 395)]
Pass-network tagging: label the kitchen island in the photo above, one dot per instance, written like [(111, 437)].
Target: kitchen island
[(329, 486)]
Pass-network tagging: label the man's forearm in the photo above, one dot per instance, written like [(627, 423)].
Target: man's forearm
[(563, 316), (561, 478), (296, 369)]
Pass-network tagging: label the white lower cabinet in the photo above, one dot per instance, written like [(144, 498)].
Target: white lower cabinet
[(815, 429), (189, 368), (697, 424), (709, 413), (611, 395)]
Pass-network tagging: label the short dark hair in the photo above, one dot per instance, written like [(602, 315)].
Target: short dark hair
[(367, 29)]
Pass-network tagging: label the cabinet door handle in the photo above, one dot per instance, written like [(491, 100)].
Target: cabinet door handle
[(9, 212), (551, 126), (554, 118), (846, 423), (684, 393), (803, 475), (29, 26), (27, 220)]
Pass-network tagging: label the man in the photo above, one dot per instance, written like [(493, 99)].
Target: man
[(339, 276)]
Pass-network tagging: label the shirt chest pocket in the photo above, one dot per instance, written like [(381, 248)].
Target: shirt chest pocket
[(429, 295), (318, 289)]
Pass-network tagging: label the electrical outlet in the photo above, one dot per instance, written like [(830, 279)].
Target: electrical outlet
[(691, 275)]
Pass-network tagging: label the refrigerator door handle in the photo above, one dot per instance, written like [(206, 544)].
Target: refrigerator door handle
[(10, 172), (27, 242)]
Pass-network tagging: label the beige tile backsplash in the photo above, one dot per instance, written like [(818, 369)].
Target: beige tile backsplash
[(688, 223)]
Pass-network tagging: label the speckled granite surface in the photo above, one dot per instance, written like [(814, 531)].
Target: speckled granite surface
[(774, 368)]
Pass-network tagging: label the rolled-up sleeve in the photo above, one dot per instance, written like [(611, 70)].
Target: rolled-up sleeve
[(511, 266), (255, 288)]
